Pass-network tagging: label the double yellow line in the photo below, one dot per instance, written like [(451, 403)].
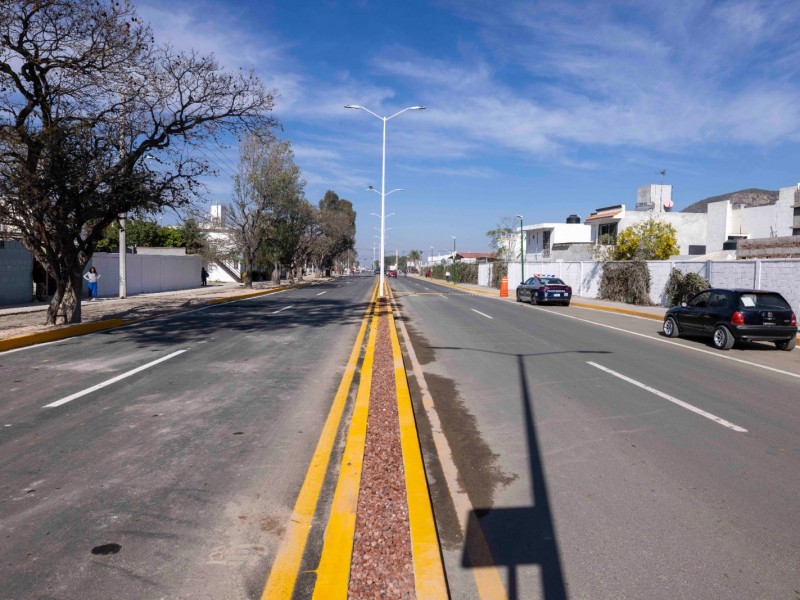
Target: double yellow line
[(333, 571)]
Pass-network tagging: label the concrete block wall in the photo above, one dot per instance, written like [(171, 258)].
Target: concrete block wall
[(780, 275), (146, 274), (16, 273)]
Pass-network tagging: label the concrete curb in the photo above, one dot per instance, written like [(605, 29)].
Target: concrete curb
[(68, 331)]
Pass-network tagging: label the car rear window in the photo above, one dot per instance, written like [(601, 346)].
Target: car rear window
[(763, 301), (551, 280)]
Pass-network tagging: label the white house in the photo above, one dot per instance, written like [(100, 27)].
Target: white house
[(216, 229), (542, 239), (702, 233)]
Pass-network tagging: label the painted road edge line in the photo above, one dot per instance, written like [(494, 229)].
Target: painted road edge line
[(113, 380), (487, 579), (663, 340), (333, 571), (429, 575), (672, 399), (286, 566)]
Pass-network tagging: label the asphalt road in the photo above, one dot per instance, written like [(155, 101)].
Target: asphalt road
[(601, 459), (176, 480)]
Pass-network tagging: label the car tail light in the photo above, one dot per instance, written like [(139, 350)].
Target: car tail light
[(737, 318), (793, 320)]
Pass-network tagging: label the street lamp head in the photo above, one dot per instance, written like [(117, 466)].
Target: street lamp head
[(519, 217), (352, 106), (417, 108)]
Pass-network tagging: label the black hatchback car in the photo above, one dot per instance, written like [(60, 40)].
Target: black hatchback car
[(543, 289), (728, 316)]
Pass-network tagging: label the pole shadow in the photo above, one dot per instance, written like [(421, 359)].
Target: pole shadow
[(520, 535)]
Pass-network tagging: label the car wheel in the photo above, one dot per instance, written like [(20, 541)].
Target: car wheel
[(519, 298), (786, 345), (723, 338), (670, 327), (565, 303), (533, 299)]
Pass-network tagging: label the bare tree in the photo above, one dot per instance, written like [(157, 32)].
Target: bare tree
[(101, 121), (504, 239), (267, 182)]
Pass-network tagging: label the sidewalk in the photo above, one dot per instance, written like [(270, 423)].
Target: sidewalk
[(24, 324)]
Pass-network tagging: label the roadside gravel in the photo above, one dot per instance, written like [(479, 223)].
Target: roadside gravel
[(381, 562)]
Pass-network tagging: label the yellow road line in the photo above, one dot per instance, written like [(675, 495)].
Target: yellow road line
[(283, 576), (333, 572), (429, 576)]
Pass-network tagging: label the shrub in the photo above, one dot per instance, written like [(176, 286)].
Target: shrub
[(499, 270), (680, 287), (627, 282)]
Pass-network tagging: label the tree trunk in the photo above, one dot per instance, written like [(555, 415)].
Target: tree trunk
[(66, 301), (247, 276), (276, 273)]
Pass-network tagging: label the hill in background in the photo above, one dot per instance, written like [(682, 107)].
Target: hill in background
[(747, 198)]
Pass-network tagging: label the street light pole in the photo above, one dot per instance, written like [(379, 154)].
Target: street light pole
[(383, 181), (521, 251)]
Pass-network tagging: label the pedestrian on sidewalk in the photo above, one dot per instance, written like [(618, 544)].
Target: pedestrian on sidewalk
[(447, 276), (92, 276), (204, 276)]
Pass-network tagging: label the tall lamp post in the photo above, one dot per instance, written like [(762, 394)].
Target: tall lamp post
[(521, 251), (383, 180)]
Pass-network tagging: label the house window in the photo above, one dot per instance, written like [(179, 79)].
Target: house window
[(796, 231), (607, 229)]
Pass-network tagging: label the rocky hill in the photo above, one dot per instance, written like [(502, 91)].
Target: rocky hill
[(751, 197)]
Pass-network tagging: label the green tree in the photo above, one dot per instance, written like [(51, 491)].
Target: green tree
[(415, 256), (195, 239), (335, 229), (90, 102), (651, 239)]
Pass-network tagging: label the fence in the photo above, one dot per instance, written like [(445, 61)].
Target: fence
[(146, 273), (780, 275)]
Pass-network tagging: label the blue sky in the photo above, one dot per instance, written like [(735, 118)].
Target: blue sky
[(536, 108)]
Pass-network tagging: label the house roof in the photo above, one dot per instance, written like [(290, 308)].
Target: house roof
[(603, 214), (476, 254)]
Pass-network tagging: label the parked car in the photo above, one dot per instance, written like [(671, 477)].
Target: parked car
[(543, 289), (728, 316)]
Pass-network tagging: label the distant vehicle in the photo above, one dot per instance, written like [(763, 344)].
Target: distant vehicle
[(544, 289), (731, 315), (391, 273), (377, 271)]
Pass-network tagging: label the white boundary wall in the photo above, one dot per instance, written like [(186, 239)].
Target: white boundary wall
[(16, 273), (146, 273), (779, 275)]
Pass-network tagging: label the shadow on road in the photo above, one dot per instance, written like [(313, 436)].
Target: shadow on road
[(255, 315), (520, 535)]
